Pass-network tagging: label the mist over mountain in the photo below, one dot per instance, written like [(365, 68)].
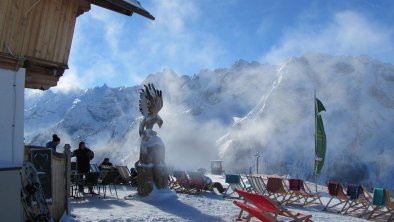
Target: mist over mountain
[(234, 113)]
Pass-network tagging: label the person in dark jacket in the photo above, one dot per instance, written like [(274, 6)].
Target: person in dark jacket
[(106, 165), (53, 144), (83, 155)]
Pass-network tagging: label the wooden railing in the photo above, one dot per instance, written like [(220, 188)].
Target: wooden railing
[(60, 179)]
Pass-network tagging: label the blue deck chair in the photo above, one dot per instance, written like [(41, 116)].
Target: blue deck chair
[(234, 181), (358, 199)]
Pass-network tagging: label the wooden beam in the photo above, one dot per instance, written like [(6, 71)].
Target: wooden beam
[(10, 62), (84, 6)]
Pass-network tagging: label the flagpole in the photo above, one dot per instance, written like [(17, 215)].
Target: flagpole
[(314, 102)]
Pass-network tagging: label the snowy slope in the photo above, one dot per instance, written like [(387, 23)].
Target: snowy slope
[(166, 205), (233, 113)]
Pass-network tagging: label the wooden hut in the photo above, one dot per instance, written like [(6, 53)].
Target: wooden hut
[(35, 43), (37, 35)]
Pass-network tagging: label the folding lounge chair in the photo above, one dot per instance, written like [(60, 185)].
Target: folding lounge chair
[(197, 181), (257, 184), (234, 182), (265, 209), (300, 192), (94, 168), (276, 189), (108, 178), (388, 214), (335, 190), (172, 184), (124, 174), (184, 184), (359, 199), (91, 179), (378, 205), (389, 205)]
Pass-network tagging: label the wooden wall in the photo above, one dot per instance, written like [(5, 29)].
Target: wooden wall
[(60, 181), (41, 29), (59, 194)]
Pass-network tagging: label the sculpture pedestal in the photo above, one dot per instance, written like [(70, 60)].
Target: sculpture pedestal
[(152, 171)]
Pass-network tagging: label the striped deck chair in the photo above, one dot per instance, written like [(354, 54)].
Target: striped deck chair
[(172, 184), (336, 191), (276, 189), (265, 209), (257, 184), (359, 199), (300, 192), (378, 205), (234, 182)]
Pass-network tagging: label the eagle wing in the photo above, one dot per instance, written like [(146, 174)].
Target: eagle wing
[(151, 100)]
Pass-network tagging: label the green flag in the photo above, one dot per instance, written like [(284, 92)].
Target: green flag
[(320, 138)]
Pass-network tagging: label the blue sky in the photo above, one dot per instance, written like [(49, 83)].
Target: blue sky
[(190, 35)]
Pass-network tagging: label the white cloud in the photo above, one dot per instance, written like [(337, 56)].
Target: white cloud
[(69, 82), (349, 33)]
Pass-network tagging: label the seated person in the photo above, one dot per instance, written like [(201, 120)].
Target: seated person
[(133, 172), (106, 165), (209, 185), (134, 178)]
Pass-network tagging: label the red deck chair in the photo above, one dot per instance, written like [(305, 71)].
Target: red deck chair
[(265, 209), (276, 189), (300, 192), (335, 189)]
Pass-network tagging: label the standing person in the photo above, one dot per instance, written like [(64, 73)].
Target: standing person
[(53, 144), (83, 155)]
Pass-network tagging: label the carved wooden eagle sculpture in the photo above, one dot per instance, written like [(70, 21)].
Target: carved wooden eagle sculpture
[(151, 102)]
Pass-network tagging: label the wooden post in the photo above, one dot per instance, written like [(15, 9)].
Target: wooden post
[(67, 153)]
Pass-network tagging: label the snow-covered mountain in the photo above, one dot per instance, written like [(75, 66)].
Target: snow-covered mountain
[(232, 114)]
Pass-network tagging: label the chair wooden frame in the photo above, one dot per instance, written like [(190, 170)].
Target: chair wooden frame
[(302, 194), (336, 191)]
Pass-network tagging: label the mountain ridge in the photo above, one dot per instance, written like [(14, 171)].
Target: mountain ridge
[(234, 113)]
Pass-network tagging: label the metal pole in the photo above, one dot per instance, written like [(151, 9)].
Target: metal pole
[(257, 163), (314, 102)]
